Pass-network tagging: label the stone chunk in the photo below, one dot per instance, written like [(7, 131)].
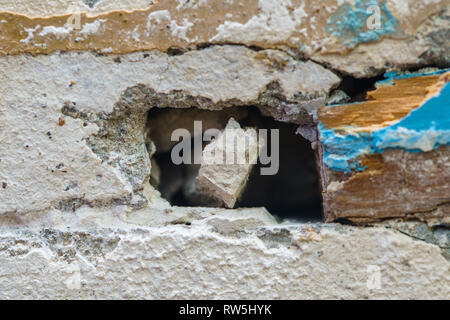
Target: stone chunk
[(227, 163), (338, 97)]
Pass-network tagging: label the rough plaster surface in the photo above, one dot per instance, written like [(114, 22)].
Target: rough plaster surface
[(42, 8), (179, 262), (45, 162), (324, 31), (78, 218)]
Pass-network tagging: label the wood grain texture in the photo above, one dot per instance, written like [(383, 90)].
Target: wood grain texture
[(385, 105), (393, 183), (396, 184)]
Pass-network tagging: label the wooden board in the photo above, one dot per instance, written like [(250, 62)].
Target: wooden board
[(388, 157)]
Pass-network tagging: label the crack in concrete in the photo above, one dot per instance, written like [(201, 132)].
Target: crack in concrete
[(438, 234)]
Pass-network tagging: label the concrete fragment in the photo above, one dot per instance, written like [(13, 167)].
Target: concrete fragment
[(236, 221), (227, 163), (337, 97), (308, 132)]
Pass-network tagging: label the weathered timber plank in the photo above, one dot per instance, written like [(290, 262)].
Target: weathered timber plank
[(389, 156)]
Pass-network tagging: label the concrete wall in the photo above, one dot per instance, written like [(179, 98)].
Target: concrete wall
[(78, 216)]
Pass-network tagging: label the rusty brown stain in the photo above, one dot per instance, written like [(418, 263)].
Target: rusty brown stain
[(116, 30), (116, 33), (386, 189)]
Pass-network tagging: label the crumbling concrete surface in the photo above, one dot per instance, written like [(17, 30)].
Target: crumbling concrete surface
[(280, 262), (342, 34), (86, 87), (99, 153)]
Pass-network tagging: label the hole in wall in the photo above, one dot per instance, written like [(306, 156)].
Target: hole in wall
[(353, 89), (293, 193)]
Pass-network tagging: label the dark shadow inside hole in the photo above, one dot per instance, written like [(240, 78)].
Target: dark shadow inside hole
[(171, 180), (357, 89), (292, 193)]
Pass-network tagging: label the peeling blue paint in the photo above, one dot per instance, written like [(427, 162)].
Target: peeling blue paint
[(396, 75), (342, 150), (423, 129), (349, 23)]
